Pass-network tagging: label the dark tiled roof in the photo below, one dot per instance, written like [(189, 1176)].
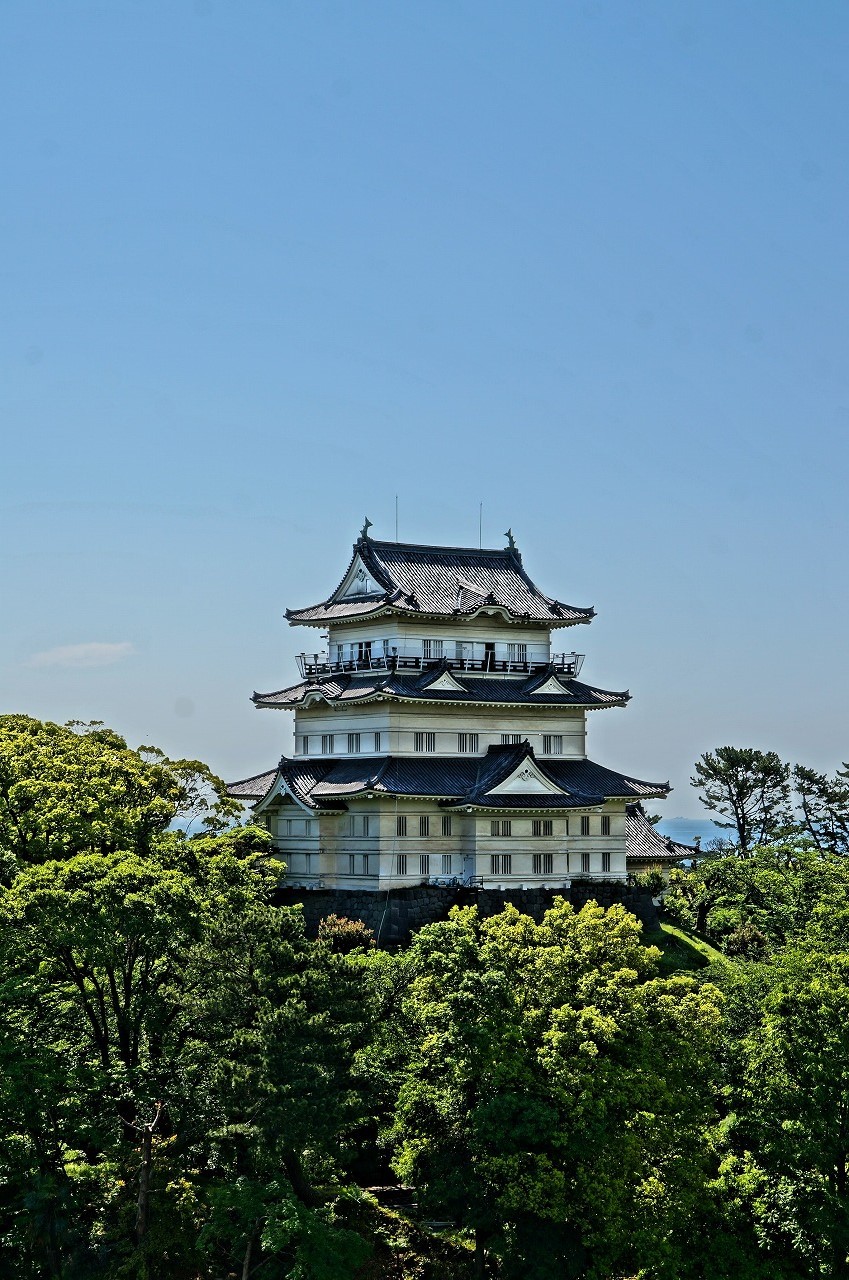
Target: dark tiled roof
[(461, 779), (252, 788), (644, 843), (450, 582), (595, 779), (478, 689)]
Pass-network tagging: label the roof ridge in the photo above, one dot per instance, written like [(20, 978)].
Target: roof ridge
[(433, 546)]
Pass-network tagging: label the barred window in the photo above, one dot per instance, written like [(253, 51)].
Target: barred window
[(327, 744), (424, 864), (431, 648), (353, 743), (517, 652), (446, 824), (467, 741), (365, 858), (500, 864), (552, 744), (400, 864), (446, 864), (424, 825), (605, 824), (543, 827), (543, 864), (424, 741), (605, 862), (511, 739), (585, 825), (352, 864), (501, 827), (401, 824), (377, 742), (585, 863)]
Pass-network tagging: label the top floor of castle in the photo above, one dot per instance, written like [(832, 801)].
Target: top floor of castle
[(406, 607)]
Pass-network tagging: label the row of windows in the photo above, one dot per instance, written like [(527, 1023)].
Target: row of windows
[(501, 864), (365, 826), (424, 742), (433, 649), (545, 826), (403, 826), (426, 864)]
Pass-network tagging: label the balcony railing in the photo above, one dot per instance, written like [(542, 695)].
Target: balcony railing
[(319, 664)]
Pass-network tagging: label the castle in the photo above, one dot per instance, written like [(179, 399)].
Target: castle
[(440, 740)]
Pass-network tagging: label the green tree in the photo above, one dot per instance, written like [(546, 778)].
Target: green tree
[(555, 1093), (791, 1128), (749, 788), (79, 788), (168, 1035), (824, 807)]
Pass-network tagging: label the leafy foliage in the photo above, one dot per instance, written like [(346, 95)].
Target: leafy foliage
[(749, 788)]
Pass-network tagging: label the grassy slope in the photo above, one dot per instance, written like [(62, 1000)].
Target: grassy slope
[(682, 950)]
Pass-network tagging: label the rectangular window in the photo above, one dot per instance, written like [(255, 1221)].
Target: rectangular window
[(446, 824), (401, 824), (605, 824), (585, 825), (401, 864), (517, 652), (467, 741), (327, 744), (431, 648), (543, 827), (605, 862), (377, 742), (501, 827), (352, 864), (585, 863), (543, 864), (446, 864), (552, 744), (424, 825), (511, 739), (567, 826), (359, 824), (424, 864), (424, 741), (458, 650), (295, 827), (500, 864), (353, 744)]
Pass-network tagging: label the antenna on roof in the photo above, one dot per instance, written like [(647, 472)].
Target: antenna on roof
[(396, 517), (480, 525)]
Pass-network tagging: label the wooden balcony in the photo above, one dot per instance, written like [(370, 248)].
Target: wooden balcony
[(315, 665)]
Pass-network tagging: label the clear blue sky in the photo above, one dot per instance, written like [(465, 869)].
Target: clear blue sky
[(265, 265)]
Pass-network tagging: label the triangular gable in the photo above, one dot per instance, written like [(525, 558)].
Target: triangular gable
[(551, 685), (358, 581), (444, 684), (526, 779), (280, 790)]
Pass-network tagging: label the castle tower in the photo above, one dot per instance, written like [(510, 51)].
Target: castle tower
[(438, 737)]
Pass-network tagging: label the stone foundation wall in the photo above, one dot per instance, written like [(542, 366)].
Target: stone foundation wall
[(395, 915)]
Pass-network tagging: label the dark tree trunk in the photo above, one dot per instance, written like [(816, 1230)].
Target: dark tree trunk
[(143, 1203)]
